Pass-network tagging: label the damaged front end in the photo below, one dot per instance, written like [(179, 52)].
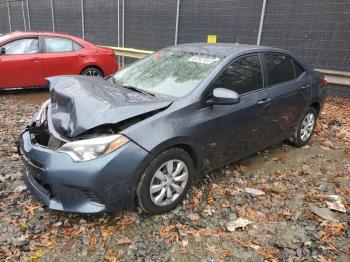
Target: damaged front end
[(73, 152), (39, 129), (84, 107), (85, 174)]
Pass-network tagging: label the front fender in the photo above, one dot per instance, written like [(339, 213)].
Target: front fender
[(187, 144)]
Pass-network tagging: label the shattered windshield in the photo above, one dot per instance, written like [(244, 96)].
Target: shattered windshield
[(169, 73)]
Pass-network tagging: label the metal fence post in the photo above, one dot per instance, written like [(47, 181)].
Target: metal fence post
[(118, 23), (177, 20), (28, 14), (52, 17), (261, 22), (9, 15), (123, 26), (82, 18), (118, 30), (24, 17)]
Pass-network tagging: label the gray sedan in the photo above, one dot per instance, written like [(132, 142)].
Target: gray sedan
[(142, 136)]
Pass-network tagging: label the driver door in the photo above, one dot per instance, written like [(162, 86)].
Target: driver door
[(235, 131), (20, 65)]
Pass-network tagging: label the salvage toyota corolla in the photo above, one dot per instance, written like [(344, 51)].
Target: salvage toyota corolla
[(142, 136)]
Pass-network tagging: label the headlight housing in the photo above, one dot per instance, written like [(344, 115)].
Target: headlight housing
[(92, 148)]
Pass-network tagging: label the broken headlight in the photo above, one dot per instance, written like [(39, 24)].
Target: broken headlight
[(92, 148)]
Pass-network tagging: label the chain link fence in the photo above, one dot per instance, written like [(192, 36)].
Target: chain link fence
[(339, 91), (232, 21), (318, 31)]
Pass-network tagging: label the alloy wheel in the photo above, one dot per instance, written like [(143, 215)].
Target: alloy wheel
[(307, 127), (168, 182), (92, 72)]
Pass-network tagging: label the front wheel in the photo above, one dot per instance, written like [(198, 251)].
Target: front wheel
[(165, 182), (305, 128)]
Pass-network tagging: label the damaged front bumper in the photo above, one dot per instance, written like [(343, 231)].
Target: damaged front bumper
[(104, 184)]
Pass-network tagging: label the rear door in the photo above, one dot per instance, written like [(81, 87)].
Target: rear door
[(290, 88), (21, 66), (62, 56), (235, 131)]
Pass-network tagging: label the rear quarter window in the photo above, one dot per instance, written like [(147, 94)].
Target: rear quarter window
[(76, 46), (299, 70)]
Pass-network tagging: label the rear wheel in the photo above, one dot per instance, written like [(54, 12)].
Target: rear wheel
[(92, 71), (165, 182), (305, 128)]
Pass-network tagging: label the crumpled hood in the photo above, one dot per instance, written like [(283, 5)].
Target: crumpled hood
[(80, 103)]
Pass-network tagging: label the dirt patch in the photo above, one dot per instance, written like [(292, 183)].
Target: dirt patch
[(283, 227)]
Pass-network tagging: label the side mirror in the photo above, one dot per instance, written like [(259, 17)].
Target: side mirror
[(2, 51), (224, 96)]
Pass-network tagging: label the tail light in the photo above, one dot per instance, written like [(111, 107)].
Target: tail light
[(325, 82)]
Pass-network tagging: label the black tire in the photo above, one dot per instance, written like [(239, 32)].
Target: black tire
[(296, 139), (143, 188), (92, 71)]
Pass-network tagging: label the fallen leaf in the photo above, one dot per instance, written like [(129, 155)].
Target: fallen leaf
[(23, 224), (112, 256), (331, 229), (38, 254), (254, 192), (238, 223), (20, 189), (106, 232), (92, 243), (255, 247), (209, 211), (193, 216), (124, 241), (213, 249)]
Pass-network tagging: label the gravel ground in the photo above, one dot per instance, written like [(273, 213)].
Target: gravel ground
[(287, 214)]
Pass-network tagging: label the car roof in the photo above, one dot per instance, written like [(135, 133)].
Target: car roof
[(20, 34), (221, 49), (25, 34)]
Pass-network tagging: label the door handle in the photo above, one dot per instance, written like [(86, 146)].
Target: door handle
[(305, 87), (36, 59), (264, 101)]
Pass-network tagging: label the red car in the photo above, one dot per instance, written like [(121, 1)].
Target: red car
[(27, 58)]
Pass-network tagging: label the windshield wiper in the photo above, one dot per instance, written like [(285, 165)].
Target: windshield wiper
[(139, 90)]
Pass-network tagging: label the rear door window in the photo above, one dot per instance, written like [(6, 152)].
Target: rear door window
[(280, 68), (58, 45), (243, 75), (22, 46)]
